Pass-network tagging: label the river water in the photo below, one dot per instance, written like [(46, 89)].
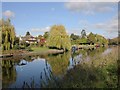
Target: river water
[(38, 68)]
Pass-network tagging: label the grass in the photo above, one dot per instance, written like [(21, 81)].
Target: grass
[(34, 49), (40, 49), (100, 72)]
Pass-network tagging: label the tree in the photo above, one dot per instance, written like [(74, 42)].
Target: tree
[(40, 36), (114, 41), (91, 38), (83, 33), (58, 38), (27, 33), (8, 34), (46, 34), (16, 40), (83, 40), (74, 37), (101, 40)]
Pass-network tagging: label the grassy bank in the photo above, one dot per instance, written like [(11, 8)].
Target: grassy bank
[(30, 51), (39, 49), (44, 50), (100, 72)]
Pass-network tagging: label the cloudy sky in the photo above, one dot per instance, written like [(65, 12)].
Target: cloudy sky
[(38, 17)]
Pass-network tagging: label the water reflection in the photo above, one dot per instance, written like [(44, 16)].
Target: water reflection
[(16, 71), (59, 63), (9, 74)]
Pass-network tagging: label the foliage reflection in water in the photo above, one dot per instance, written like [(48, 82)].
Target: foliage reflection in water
[(51, 70)]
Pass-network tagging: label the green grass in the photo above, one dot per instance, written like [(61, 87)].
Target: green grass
[(40, 49)]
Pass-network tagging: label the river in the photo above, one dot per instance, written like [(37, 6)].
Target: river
[(40, 68)]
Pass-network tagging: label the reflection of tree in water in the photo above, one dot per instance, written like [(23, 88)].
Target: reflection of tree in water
[(8, 73), (96, 51), (100, 74), (59, 63), (86, 55), (90, 53)]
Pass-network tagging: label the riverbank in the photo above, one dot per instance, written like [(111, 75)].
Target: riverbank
[(34, 51), (99, 72)]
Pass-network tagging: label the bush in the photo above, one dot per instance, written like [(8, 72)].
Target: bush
[(22, 47), (29, 48), (16, 47)]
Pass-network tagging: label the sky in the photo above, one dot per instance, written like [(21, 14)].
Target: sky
[(38, 17)]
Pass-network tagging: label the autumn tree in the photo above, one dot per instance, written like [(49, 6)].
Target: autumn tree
[(58, 38)]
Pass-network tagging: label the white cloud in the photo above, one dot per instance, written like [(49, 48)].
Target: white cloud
[(77, 31), (109, 29), (8, 13), (40, 29), (89, 8), (110, 26)]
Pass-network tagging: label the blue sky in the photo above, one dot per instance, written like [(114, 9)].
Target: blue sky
[(38, 17)]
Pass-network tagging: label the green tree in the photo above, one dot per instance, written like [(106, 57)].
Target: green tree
[(27, 33), (8, 34), (83, 40), (16, 40), (91, 38), (114, 41), (58, 38), (40, 36), (74, 37), (101, 40), (46, 34)]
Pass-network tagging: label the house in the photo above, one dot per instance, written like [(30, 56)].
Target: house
[(31, 40), (28, 39)]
